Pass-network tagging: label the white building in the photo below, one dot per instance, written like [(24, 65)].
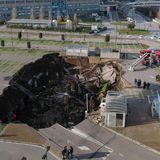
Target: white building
[(77, 50), (114, 109)]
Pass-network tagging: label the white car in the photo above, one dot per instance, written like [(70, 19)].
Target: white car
[(158, 39), (140, 36)]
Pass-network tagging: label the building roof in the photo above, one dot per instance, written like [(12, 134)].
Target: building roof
[(116, 102), (29, 21)]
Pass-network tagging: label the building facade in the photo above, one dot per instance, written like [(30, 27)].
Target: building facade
[(24, 8), (114, 109), (83, 7)]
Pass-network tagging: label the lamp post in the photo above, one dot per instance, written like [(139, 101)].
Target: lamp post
[(11, 37), (44, 157), (87, 102)]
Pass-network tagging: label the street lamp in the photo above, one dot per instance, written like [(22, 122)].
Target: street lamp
[(45, 155)]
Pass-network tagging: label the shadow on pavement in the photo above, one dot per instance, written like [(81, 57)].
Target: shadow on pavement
[(92, 155)]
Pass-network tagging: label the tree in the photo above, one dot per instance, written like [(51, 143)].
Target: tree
[(63, 37), (75, 21), (107, 38), (40, 35), (19, 35), (32, 14), (131, 25), (41, 13), (14, 13), (2, 43), (28, 44), (49, 14)]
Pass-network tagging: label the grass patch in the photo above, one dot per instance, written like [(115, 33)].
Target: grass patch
[(26, 52), (144, 46), (133, 31), (120, 23), (42, 42), (2, 126)]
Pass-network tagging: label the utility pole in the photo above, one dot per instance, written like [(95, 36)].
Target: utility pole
[(116, 37)]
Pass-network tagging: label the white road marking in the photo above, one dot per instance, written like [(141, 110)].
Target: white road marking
[(153, 77), (120, 154), (83, 135), (84, 148)]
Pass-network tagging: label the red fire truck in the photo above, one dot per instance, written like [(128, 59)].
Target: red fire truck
[(154, 56)]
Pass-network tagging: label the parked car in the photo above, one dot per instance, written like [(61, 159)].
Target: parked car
[(158, 39), (140, 36), (153, 37)]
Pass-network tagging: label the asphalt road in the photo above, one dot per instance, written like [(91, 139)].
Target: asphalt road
[(10, 151), (83, 147), (123, 149)]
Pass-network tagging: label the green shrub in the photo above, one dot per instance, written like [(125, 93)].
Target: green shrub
[(63, 37), (40, 35), (19, 35), (103, 89), (2, 43), (28, 44), (131, 26), (2, 22), (107, 38)]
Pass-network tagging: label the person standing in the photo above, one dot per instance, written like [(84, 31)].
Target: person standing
[(139, 83), (144, 85), (135, 81), (64, 152), (70, 151), (148, 85)]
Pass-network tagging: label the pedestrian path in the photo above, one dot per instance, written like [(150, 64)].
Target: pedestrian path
[(138, 93), (84, 146)]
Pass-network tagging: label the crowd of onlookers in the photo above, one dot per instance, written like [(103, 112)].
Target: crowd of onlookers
[(138, 82)]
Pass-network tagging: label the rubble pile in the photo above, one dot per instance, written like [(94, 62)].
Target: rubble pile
[(51, 90)]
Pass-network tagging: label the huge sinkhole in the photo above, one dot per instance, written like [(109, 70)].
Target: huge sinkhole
[(52, 90)]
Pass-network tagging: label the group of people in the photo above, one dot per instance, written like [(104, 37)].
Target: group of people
[(138, 82), (67, 153)]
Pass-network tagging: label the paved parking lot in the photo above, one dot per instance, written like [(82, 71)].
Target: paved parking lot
[(12, 59)]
